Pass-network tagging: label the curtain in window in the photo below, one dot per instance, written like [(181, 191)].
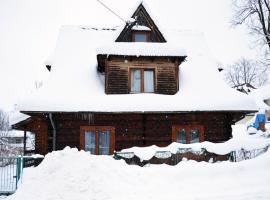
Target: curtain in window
[(104, 143), (136, 80), (90, 142), (148, 81), (181, 136), (194, 136)]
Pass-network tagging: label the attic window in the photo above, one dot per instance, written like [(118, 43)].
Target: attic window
[(140, 33), (140, 37)]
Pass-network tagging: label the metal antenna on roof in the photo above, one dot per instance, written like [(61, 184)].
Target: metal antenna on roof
[(111, 11)]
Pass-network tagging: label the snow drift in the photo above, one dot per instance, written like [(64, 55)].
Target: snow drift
[(72, 174)]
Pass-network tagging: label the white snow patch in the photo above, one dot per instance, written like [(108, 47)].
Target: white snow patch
[(247, 143), (260, 95), (140, 28), (16, 117)]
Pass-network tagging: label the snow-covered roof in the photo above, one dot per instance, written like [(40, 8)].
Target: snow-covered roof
[(141, 49), (140, 28), (16, 117), (260, 95), (76, 85), (263, 92)]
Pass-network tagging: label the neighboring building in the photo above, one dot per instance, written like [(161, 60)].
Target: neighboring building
[(262, 98), (112, 89), (16, 142)]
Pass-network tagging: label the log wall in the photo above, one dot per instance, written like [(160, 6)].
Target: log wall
[(39, 126), (130, 129), (118, 69)]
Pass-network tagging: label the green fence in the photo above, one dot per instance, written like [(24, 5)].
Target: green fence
[(11, 169)]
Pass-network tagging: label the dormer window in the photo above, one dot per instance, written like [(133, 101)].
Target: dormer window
[(142, 81), (140, 60), (140, 33)]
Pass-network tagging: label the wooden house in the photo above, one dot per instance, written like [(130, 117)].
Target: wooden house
[(112, 89)]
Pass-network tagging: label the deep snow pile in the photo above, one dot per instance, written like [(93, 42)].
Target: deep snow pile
[(72, 174)]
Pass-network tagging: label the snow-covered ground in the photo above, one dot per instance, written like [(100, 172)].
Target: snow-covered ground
[(72, 174)]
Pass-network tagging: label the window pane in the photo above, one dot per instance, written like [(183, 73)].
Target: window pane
[(194, 136), (19, 141), (104, 143), (140, 37), (148, 81), (136, 80), (181, 136), (90, 142)]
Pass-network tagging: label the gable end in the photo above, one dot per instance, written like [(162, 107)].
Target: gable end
[(142, 19)]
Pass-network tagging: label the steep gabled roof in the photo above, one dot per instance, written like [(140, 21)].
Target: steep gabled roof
[(142, 18), (75, 84)]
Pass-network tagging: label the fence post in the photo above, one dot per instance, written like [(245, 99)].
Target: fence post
[(19, 169), (233, 157)]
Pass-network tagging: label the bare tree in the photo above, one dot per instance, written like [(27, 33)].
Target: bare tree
[(4, 125), (4, 122), (255, 14), (246, 73)]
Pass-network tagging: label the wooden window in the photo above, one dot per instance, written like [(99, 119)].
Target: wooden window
[(140, 36), (181, 136), (99, 140), (142, 80), (187, 134)]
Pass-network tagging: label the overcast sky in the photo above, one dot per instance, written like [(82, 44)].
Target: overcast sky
[(29, 28)]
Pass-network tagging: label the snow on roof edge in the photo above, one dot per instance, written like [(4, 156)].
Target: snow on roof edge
[(140, 28), (125, 111), (18, 117), (141, 49)]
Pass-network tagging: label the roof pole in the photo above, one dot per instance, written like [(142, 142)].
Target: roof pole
[(54, 131)]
